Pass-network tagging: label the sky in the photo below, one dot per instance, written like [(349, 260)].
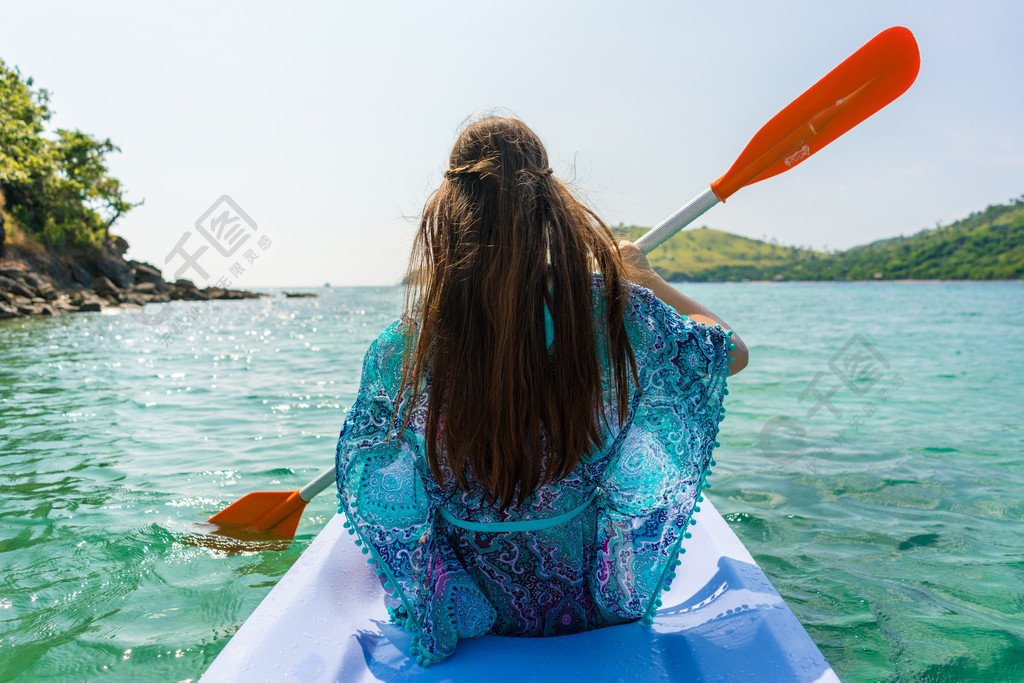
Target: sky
[(328, 124)]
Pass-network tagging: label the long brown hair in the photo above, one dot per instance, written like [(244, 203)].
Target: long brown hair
[(498, 405)]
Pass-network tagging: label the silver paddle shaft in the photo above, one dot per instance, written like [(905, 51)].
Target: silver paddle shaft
[(677, 221), (323, 480)]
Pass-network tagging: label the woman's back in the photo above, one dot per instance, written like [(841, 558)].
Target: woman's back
[(529, 441), (590, 549)]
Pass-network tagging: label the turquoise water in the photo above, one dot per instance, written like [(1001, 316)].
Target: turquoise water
[(892, 529)]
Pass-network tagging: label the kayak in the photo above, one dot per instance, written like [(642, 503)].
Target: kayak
[(721, 620)]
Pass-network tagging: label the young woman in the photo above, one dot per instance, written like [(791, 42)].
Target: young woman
[(530, 439)]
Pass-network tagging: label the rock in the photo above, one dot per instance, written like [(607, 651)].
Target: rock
[(186, 290), (221, 293), (13, 273), (51, 282), (87, 298), (49, 266), (81, 275), (136, 298), (64, 305), (29, 282), (15, 287), (33, 280), (105, 287), (145, 273), (116, 271), (120, 245)]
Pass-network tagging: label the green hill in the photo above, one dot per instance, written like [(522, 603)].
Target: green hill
[(987, 245), (692, 254)]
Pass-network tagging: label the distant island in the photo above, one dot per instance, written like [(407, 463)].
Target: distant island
[(987, 245)]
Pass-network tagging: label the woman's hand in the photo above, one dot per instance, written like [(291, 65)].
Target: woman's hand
[(638, 268)]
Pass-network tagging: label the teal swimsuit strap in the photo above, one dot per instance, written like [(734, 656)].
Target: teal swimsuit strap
[(525, 525), (549, 327), (549, 324)]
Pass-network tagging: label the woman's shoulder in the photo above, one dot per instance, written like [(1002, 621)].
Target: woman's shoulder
[(384, 356), (641, 303), (651, 323)]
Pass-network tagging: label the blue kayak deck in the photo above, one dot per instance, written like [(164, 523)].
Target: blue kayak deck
[(722, 620)]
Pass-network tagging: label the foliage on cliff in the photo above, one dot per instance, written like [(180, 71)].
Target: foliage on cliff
[(56, 183)]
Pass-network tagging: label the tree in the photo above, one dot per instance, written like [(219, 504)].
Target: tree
[(23, 113), (57, 188), (89, 190)]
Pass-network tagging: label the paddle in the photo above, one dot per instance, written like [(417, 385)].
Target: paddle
[(869, 79), (264, 514)]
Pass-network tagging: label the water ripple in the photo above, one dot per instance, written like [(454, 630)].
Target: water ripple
[(891, 529)]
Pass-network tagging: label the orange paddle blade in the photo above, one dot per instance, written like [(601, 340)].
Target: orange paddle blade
[(276, 512), (869, 79)]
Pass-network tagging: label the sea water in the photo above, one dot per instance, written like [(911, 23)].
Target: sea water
[(872, 460)]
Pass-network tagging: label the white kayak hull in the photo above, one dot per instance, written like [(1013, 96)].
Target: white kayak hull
[(722, 620)]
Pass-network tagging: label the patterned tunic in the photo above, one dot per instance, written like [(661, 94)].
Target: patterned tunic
[(591, 550)]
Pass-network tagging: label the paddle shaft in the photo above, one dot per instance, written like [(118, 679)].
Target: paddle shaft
[(690, 212), (323, 480)]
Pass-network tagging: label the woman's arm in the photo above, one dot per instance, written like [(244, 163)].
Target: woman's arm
[(640, 272)]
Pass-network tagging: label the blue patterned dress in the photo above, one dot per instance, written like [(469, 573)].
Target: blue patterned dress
[(592, 550)]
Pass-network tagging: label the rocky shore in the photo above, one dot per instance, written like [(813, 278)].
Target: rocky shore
[(34, 281)]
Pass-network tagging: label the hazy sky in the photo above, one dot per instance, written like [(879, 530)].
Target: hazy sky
[(330, 123)]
